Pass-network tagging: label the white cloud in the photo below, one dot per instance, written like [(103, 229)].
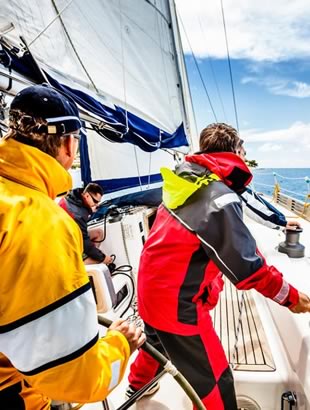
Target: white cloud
[(298, 131), (280, 86), (269, 147), (296, 89), (280, 148), (260, 30)]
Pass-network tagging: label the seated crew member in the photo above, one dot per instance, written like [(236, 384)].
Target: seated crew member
[(261, 210), (80, 204), (49, 339)]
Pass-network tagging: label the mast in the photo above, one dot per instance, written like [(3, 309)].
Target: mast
[(188, 111)]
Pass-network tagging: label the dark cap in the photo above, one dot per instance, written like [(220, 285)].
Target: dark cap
[(43, 101)]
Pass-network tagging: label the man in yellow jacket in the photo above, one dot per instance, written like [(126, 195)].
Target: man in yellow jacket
[(49, 343)]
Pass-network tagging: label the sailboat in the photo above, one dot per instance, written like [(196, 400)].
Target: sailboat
[(122, 62)]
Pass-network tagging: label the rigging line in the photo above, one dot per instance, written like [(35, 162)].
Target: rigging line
[(212, 71), (150, 164), (198, 69), (72, 45), (299, 178), (123, 62), (162, 56), (229, 64), (137, 163), (158, 11), (49, 24)]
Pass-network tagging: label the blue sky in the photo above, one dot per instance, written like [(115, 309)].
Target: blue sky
[(269, 44)]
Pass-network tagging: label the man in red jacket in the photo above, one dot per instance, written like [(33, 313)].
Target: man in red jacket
[(198, 235)]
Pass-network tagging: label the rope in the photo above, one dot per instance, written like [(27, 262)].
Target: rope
[(163, 361), (212, 71), (149, 176), (292, 192), (73, 46), (267, 185), (198, 69), (306, 179), (123, 62), (229, 65), (137, 164), (49, 24)]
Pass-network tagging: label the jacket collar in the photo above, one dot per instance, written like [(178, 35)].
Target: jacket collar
[(31, 167), (230, 168)]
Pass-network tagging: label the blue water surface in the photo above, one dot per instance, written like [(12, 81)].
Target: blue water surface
[(292, 181)]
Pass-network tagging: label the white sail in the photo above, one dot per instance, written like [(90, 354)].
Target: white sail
[(122, 53), (119, 49)]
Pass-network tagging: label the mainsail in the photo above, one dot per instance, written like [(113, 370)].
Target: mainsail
[(122, 62)]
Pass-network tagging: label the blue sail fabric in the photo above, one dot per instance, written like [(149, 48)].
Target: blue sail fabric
[(132, 128)]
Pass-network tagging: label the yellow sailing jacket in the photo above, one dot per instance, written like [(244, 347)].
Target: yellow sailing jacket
[(48, 318)]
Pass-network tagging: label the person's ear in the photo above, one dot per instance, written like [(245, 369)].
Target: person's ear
[(71, 146), (67, 151)]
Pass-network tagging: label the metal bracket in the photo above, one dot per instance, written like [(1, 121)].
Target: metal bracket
[(289, 397)]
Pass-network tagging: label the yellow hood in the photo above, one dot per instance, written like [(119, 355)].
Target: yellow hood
[(33, 168)]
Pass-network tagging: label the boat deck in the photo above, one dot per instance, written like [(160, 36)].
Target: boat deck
[(267, 360), (252, 352)]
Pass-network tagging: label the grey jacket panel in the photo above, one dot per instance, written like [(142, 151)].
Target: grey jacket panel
[(214, 213)]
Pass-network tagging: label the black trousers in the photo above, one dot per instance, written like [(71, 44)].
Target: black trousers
[(10, 398), (199, 357)]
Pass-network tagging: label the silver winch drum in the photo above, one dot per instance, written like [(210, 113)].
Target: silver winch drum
[(291, 245)]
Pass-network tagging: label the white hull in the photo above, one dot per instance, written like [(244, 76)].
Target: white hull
[(273, 344)]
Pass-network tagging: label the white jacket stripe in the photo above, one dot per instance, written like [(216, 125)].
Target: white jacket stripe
[(53, 336), (283, 293)]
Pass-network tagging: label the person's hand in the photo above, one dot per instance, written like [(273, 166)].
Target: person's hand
[(303, 304), (293, 224), (133, 334), (107, 260)]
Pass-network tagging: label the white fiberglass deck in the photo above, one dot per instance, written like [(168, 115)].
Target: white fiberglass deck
[(273, 347)]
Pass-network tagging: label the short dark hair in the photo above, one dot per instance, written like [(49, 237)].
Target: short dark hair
[(93, 188), (219, 137)]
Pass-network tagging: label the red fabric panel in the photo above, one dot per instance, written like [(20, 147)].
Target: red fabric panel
[(268, 281), (142, 370), (213, 401)]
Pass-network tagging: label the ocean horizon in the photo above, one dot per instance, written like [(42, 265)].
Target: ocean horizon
[(293, 181)]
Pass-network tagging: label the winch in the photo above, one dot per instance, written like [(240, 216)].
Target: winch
[(291, 245)]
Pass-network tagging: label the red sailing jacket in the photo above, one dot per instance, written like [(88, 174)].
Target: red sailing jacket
[(191, 245)]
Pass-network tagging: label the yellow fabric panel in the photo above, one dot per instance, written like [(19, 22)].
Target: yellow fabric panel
[(46, 174), (40, 254), (33, 399), (34, 231), (8, 375), (87, 378), (43, 230), (176, 190)]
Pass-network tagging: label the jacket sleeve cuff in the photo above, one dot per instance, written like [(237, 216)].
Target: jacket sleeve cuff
[(292, 298)]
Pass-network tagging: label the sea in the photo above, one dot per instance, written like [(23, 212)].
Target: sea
[(294, 182)]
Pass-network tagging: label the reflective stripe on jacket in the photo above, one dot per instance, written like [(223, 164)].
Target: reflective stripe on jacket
[(48, 321)]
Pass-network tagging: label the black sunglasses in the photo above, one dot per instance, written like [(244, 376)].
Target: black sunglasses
[(94, 199)]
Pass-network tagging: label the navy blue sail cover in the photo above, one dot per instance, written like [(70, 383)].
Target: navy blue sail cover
[(132, 128)]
